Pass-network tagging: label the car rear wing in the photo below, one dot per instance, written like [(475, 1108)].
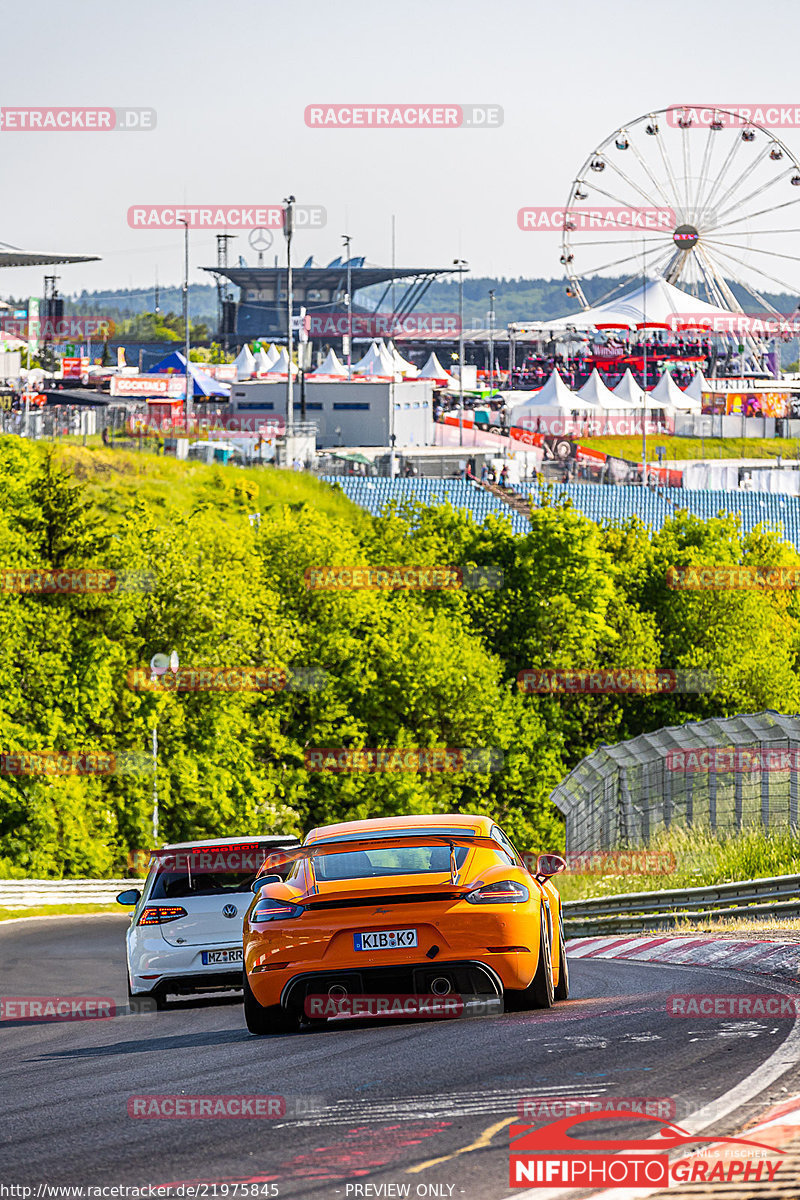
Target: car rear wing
[(313, 850)]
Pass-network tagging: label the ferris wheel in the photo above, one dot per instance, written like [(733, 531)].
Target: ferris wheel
[(731, 190)]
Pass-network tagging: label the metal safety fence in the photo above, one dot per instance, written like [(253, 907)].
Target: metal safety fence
[(722, 775)]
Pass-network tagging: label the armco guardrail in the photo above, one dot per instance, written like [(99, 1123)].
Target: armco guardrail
[(34, 893), (778, 896)]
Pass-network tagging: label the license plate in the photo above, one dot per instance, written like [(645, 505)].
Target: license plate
[(385, 939), (222, 956)]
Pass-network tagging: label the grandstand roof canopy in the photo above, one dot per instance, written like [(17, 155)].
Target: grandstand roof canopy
[(323, 277), (11, 256)]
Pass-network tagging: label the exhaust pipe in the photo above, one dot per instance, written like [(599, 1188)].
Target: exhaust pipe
[(337, 991), (441, 986)]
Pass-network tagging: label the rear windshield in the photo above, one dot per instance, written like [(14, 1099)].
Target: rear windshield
[(170, 884), (210, 871), (373, 864)]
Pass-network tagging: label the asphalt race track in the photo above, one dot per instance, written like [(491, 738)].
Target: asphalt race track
[(366, 1102)]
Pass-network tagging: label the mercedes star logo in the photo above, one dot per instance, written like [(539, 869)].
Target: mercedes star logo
[(230, 910), (260, 239)]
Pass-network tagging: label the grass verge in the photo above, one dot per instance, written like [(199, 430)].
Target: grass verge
[(687, 858), (60, 910), (680, 447)]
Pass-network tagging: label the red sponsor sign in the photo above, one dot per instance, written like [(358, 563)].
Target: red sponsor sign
[(73, 368)]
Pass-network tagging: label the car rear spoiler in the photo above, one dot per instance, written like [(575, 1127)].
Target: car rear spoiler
[(378, 842)]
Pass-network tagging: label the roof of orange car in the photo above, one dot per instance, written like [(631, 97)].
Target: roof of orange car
[(430, 821)]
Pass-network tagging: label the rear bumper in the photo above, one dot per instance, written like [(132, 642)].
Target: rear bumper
[(475, 981), (213, 980)]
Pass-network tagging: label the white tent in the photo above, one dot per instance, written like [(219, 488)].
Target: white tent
[(668, 392), (554, 397), (245, 363), (377, 361), (629, 391), (595, 394), (402, 364), (330, 366), (433, 369), (653, 303), (698, 384), (281, 364)]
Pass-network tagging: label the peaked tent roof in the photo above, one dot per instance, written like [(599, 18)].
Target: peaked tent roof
[(652, 302), (244, 362), (330, 366), (595, 393), (433, 369), (698, 384), (263, 361), (202, 384), (281, 364), (668, 392), (630, 392), (402, 364), (555, 396), (377, 361)]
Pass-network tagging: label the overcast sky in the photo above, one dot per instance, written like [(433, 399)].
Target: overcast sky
[(230, 83)]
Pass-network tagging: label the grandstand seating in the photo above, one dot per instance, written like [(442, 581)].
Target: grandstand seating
[(374, 494), (599, 503)]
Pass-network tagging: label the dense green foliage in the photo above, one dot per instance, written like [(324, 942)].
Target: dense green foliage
[(427, 669)]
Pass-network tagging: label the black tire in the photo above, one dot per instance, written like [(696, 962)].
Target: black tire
[(539, 993), (562, 987), (262, 1021), (145, 1002)]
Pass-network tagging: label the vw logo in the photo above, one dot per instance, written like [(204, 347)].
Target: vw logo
[(260, 239), (230, 910)]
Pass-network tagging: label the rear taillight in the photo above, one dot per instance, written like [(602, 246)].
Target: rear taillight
[(159, 914), (268, 909), (508, 891)]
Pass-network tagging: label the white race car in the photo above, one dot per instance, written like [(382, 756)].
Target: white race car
[(185, 934)]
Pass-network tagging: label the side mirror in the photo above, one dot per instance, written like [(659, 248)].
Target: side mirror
[(550, 864), (130, 897), (257, 884)]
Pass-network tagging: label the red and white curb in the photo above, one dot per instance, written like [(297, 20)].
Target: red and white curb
[(779, 960), (778, 1125)]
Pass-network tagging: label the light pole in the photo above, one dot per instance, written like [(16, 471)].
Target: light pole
[(349, 301), (288, 229), (185, 224), (463, 266), (159, 664), (491, 338), (644, 365)]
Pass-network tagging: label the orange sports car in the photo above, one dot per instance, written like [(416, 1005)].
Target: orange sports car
[(387, 916)]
